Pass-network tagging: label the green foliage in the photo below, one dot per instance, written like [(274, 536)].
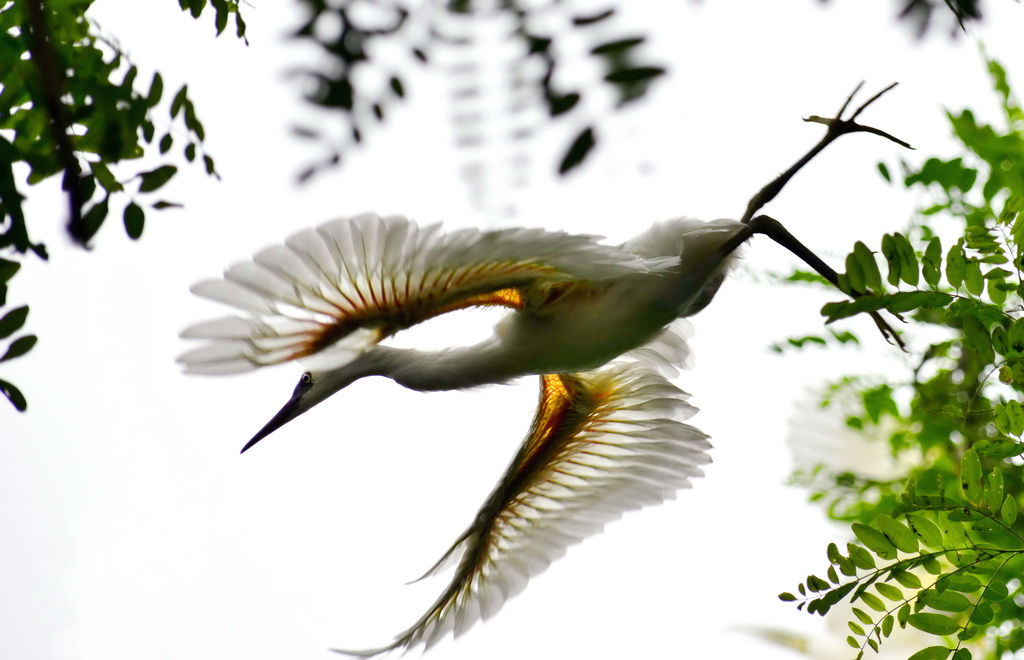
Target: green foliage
[(942, 549), (73, 105)]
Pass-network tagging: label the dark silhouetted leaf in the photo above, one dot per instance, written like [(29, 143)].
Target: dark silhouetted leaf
[(13, 320), (14, 395), (579, 149), (593, 18), (19, 347), (134, 220), (639, 74), (155, 179)]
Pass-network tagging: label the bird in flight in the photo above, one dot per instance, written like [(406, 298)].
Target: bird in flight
[(598, 323), (329, 296)]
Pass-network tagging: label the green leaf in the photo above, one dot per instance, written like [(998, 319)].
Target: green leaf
[(909, 270), (897, 533), (105, 177), (907, 579), (903, 614), (903, 301), (947, 601), (855, 278), (860, 557), (992, 492), (855, 628), (875, 541), (936, 624), (815, 583), (889, 592), (1008, 511), (156, 90), (996, 591), (931, 263), (134, 220), (872, 276), (960, 581), (931, 653), (1015, 337), (997, 449), (787, 597), (19, 347), (982, 614), (884, 171), (892, 258), (887, 625), (977, 338), (873, 601), (970, 476), (863, 616), (925, 530), (155, 179), (179, 100), (1014, 417), (166, 142), (956, 265), (13, 320), (973, 278)]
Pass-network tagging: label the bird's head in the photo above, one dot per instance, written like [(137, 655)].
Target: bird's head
[(312, 388)]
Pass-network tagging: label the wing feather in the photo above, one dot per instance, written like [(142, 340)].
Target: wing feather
[(336, 290), (602, 443)]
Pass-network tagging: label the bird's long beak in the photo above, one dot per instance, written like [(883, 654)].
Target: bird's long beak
[(289, 412)]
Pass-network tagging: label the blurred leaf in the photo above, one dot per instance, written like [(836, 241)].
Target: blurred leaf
[(134, 220), (579, 150), (13, 320), (14, 395), (155, 179), (19, 347)]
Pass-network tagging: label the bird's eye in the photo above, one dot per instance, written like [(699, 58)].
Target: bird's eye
[(305, 382)]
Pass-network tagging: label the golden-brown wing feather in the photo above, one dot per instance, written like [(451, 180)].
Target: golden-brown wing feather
[(602, 443)]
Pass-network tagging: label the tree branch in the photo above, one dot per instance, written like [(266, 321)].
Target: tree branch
[(837, 126), (51, 81)]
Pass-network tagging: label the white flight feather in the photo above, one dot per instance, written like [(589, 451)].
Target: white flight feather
[(632, 451), (320, 277)]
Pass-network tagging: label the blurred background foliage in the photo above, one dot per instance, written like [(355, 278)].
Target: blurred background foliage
[(73, 105)]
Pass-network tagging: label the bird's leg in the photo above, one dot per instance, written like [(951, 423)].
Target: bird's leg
[(774, 230), (837, 126)]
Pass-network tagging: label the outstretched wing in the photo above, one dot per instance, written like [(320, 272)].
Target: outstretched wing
[(329, 293), (602, 443)]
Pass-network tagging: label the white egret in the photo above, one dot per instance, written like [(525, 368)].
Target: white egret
[(592, 320), (330, 295)]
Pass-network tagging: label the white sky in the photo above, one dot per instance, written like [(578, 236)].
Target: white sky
[(133, 529)]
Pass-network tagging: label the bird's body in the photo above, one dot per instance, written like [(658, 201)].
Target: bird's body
[(595, 321)]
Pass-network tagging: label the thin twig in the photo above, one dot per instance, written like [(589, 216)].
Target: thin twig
[(837, 126)]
